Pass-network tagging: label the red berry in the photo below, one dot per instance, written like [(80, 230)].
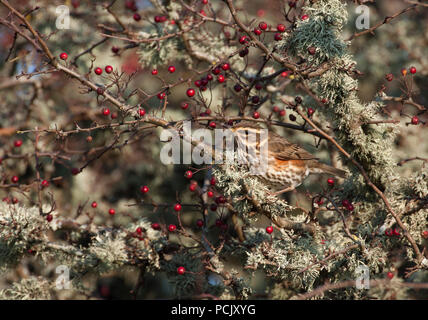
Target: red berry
[(425, 234), (108, 69), (115, 49), (243, 40), (193, 186), (345, 203), (225, 66), (243, 52), (106, 111), (75, 171), (262, 25), (200, 223), (310, 111), (221, 78), (63, 56), (278, 37), (210, 194), (177, 207), (142, 112), (161, 95), (275, 109), (98, 71), (350, 207), (181, 270), (75, 3), (396, 232), (284, 74), (14, 200), (154, 72), (188, 174), (210, 77), (15, 179), (415, 120), (389, 77), (319, 201), (257, 31), (49, 218), (172, 227), (197, 83), (269, 229), (144, 189), (330, 182), (388, 232), (280, 27), (255, 99), (137, 17), (190, 92), (304, 17), (212, 124), (111, 212), (258, 86), (114, 115), (157, 19), (204, 1), (171, 69), (220, 200), (256, 115), (139, 230), (216, 70), (155, 226), (237, 87), (17, 143), (100, 91), (412, 70), (212, 181), (45, 183), (390, 275), (94, 204)]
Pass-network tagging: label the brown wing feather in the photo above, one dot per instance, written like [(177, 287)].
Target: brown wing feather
[(284, 150)]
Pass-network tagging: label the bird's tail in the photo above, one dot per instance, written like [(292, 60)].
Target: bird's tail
[(324, 168)]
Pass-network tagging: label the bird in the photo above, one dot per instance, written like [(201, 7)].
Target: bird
[(287, 164)]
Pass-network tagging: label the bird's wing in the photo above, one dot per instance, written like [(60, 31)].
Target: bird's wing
[(283, 150)]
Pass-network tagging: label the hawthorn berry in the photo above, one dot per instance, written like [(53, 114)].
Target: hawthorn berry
[(345, 203), (197, 83), (192, 187), (75, 3), (415, 120), (210, 194), (154, 72), (106, 111), (115, 49), (200, 223), (257, 31), (282, 113), (213, 181), (225, 66), (269, 229), (111, 212), (284, 74), (243, 40), (330, 182), (75, 171), (17, 143), (188, 174), (100, 91), (212, 125), (280, 27), (210, 77), (144, 189), (221, 78), (395, 232), (425, 234), (49, 217), (390, 275), (14, 179), (237, 87), (310, 112), (190, 92), (181, 270), (172, 227), (292, 3), (177, 207), (389, 77), (304, 17), (142, 112), (94, 204), (412, 70), (63, 56), (114, 115), (136, 17), (255, 99), (139, 230), (98, 71), (216, 70), (155, 226), (277, 37), (220, 200), (258, 86), (256, 115), (171, 69), (243, 52), (263, 25), (45, 183), (161, 95), (157, 19), (275, 109), (108, 69)]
